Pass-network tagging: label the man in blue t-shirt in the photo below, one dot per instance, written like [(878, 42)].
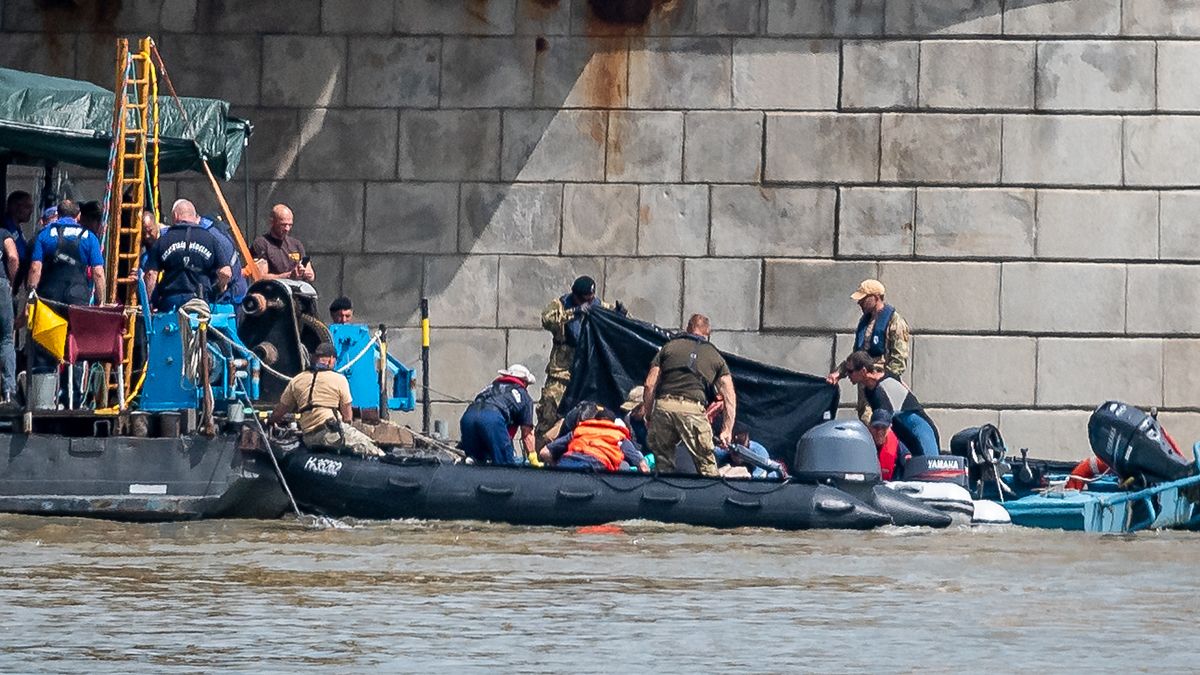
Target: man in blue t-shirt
[(63, 255), (235, 291), (488, 425)]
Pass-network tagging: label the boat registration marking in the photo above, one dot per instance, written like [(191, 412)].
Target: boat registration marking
[(323, 466), (141, 489)]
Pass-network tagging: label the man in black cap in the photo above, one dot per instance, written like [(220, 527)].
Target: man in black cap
[(563, 317), (322, 397), (341, 311)]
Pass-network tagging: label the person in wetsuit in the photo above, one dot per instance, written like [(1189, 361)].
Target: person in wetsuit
[(885, 391)]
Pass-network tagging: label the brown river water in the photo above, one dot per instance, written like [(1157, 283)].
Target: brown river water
[(285, 596)]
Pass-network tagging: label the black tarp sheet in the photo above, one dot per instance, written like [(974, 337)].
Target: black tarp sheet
[(777, 405)]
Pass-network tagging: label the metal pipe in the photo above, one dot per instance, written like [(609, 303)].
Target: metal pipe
[(425, 409), (383, 373)]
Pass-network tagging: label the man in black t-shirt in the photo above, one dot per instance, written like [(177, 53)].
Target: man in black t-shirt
[(187, 256)]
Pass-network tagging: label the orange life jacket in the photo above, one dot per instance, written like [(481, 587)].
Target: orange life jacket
[(600, 439), (1092, 467)]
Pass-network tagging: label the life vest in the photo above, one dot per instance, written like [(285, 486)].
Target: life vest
[(64, 278), (878, 338), (500, 397), (1092, 467), (889, 456), (600, 439)]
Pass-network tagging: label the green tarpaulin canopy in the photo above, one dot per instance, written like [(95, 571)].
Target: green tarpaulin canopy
[(52, 118)]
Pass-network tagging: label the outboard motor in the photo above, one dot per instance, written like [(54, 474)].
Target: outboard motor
[(840, 450), (983, 449), (940, 469), (1134, 445)]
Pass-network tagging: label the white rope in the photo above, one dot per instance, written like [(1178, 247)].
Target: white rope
[(374, 341), (247, 352)]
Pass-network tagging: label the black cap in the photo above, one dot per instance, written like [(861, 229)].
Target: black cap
[(881, 418), (583, 286), (340, 304), (325, 349)]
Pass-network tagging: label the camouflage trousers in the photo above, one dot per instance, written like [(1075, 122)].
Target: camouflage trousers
[(348, 439), (673, 420), (547, 408)]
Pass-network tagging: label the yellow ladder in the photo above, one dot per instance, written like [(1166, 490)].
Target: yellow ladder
[(136, 105)]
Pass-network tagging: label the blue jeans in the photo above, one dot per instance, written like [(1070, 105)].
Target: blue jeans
[(915, 432), (485, 437), (8, 352)]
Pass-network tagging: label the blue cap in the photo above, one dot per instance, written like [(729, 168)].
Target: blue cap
[(50, 212)]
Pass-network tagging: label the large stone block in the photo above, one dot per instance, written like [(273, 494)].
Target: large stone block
[(487, 72), (1097, 224), (1062, 149), (328, 216), (600, 219), (1002, 370), (328, 282), (986, 223), (645, 146), (812, 147), (412, 218), (357, 16), (805, 354), (787, 74), (462, 361), (879, 74), (813, 294), (1181, 372), (395, 279), (673, 220), (351, 144), (1178, 77), (565, 145), (876, 221), (529, 283), (1162, 150), (462, 290), (178, 16), (651, 288), (542, 17), (723, 146), (276, 149), (47, 54), (1183, 426), (1179, 225), (394, 72), (1064, 17), (950, 421), (943, 17), (824, 17), (450, 144), (199, 191), (1062, 298), (663, 18), (1047, 434), (303, 71), (977, 74), (530, 348), (1086, 371), (750, 220), (521, 218), (582, 73), (224, 16), (945, 296), (233, 77), (1158, 295), (1095, 75), (679, 73), (1161, 19), (726, 290), (726, 17), (941, 148), (455, 17)]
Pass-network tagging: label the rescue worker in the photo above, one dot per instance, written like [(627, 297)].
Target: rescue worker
[(892, 453), (678, 387), (189, 258), (63, 254), (235, 290), (18, 209), (885, 391), (602, 443), (563, 317), (489, 424), (322, 397), (341, 310), (882, 333), (277, 253)]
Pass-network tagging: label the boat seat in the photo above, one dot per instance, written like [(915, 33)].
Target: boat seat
[(96, 334)]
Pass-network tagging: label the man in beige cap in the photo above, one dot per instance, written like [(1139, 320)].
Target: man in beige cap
[(882, 333)]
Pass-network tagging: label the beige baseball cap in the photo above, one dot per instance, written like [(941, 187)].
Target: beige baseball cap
[(636, 396), (867, 287)]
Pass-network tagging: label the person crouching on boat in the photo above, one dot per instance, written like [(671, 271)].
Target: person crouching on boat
[(322, 397), (885, 391), (602, 443), (746, 458), (892, 452), (497, 413)]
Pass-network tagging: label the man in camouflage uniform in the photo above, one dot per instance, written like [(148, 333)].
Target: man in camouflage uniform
[(563, 318), (882, 333)]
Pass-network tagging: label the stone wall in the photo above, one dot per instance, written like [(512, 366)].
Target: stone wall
[(1022, 175)]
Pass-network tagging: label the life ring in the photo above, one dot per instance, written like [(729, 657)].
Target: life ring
[(1092, 467)]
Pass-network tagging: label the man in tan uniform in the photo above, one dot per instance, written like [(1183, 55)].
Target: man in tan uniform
[(882, 333), (563, 317), (322, 397), (676, 392)]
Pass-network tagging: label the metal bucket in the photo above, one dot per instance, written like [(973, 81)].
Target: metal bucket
[(168, 425), (43, 391)]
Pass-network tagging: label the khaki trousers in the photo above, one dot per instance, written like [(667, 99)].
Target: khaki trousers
[(673, 420)]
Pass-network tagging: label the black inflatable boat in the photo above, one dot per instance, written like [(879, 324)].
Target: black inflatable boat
[(340, 485)]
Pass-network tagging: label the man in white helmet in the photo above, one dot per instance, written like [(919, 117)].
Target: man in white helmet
[(497, 413)]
